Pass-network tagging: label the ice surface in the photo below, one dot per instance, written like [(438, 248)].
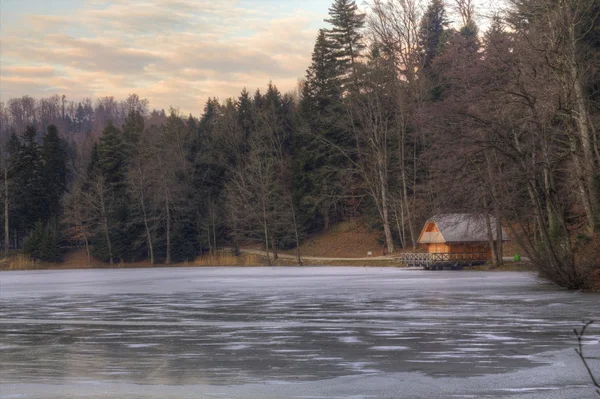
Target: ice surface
[(320, 332)]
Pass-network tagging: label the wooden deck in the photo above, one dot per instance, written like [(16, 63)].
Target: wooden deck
[(443, 260)]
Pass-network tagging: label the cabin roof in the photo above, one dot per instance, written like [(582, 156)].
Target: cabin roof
[(459, 227)]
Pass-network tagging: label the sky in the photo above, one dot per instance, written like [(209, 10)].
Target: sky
[(172, 52)]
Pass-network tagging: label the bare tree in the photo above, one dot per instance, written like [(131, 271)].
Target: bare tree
[(251, 191), (98, 199), (139, 186), (6, 206), (78, 214), (557, 35), (579, 350)]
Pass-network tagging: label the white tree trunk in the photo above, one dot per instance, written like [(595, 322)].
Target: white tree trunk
[(385, 211), (266, 231), (168, 212), (6, 223)]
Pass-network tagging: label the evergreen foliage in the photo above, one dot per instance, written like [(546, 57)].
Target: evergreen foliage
[(42, 243), (345, 38), (433, 33)]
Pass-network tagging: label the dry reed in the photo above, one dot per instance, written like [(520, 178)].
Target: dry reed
[(20, 262), (224, 259)]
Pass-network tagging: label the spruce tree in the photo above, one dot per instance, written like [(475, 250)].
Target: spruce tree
[(29, 185), (245, 118), (346, 38), (322, 88), (133, 128), (111, 165), (112, 157), (319, 164), (432, 33), (54, 173), (42, 243)]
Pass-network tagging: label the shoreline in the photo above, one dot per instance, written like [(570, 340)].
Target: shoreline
[(510, 267)]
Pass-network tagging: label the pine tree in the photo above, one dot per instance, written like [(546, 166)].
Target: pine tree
[(133, 128), (319, 165), (245, 118), (42, 243), (29, 184), (54, 173), (432, 33), (112, 156), (322, 88), (346, 38), (110, 166)]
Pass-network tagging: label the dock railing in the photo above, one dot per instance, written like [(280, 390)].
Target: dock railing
[(444, 258)]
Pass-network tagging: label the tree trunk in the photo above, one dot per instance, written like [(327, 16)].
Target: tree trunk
[(490, 234), (108, 244), (6, 224), (274, 247), (582, 186), (298, 258), (499, 242), (595, 140), (404, 199), (582, 118), (266, 231), (386, 226), (492, 179), (104, 215), (385, 211), (411, 229), (236, 238), (148, 235), (214, 228), (326, 219), (400, 229), (210, 250), (168, 212), (87, 248)]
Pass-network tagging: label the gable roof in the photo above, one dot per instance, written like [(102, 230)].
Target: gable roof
[(460, 227)]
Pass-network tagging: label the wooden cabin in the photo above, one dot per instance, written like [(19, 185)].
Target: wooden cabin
[(459, 233)]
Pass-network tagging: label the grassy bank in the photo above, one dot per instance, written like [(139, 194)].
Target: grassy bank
[(77, 259)]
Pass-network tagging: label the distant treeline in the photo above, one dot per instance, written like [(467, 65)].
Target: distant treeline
[(401, 115)]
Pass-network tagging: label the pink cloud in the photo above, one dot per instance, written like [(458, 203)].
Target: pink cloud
[(173, 52)]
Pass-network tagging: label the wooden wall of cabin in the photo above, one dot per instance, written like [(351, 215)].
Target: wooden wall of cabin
[(471, 247), (459, 247), (437, 248)]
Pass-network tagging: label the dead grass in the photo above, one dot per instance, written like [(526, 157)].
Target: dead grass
[(18, 262), (348, 239), (226, 259)]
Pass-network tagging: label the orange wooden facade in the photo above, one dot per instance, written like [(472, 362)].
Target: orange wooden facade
[(454, 247)]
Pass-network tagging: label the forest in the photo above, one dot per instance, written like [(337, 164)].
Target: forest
[(407, 110)]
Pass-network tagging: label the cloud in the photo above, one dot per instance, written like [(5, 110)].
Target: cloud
[(24, 71), (173, 52)]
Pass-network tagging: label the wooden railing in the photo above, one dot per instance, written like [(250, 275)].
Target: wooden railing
[(426, 258)]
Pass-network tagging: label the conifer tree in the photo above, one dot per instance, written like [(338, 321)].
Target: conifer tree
[(346, 38), (29, 185), (432, 33), (133, 128), (109, 181), (54, 174), (322, 86)]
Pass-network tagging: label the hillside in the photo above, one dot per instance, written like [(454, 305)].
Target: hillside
[(349, 239)]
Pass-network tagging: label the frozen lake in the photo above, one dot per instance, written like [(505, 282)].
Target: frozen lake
[(268, 333)]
